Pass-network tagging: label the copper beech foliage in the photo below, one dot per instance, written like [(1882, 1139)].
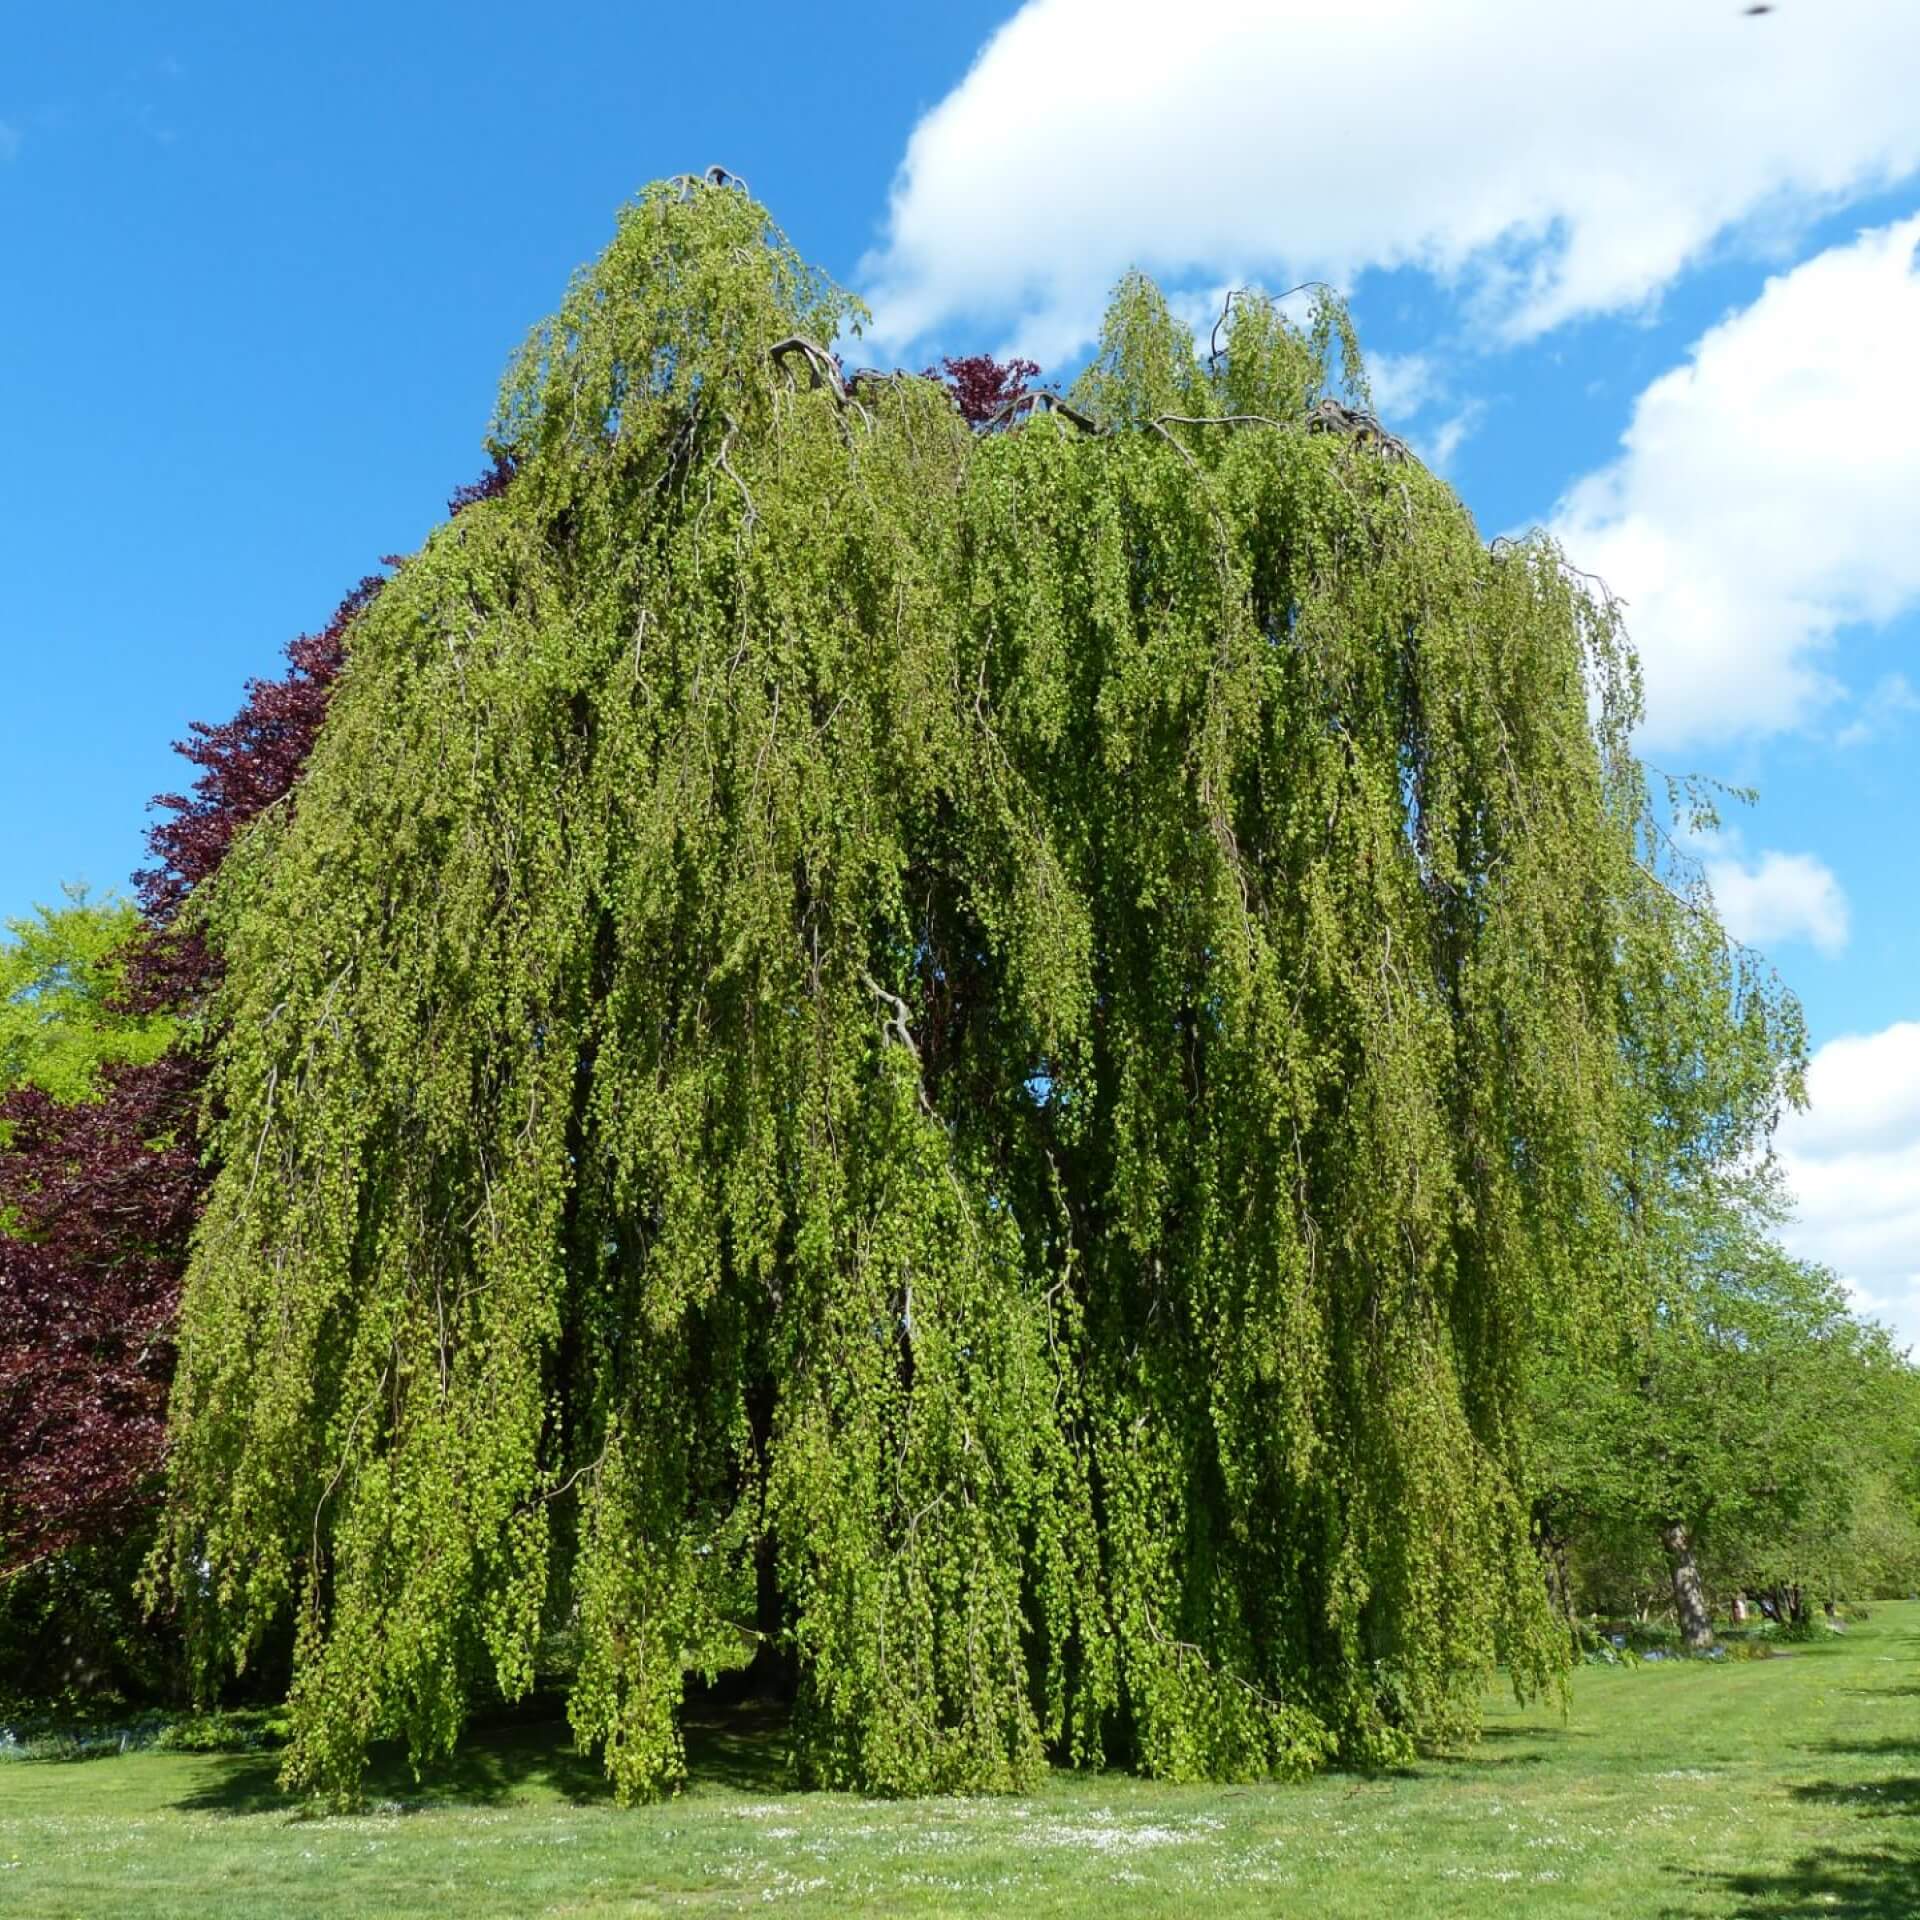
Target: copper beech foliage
[(983, 387), (100, 1196)]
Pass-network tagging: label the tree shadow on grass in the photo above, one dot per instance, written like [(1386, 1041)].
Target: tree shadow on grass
[(739, 1749), (1494, 1747), (1886, 1747), (1866, 1883), (1872, 1799), (1878, 1879), (743, 1748)]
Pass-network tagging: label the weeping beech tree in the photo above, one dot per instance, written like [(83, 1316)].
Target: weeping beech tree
[(978, 1056)]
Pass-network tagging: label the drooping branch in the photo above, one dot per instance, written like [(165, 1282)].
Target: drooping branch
[(821, 370)]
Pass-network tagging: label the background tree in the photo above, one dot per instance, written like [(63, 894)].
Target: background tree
[(100, 1185), (1745, 1428), (984, 1056), (1703, 1083), (61, 1016), (983, 388)]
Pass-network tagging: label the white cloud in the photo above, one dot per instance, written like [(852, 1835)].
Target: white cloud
[(1765, 494), (1556, 160), (1782, 896), (1439, 447), (1853, 1162), (1880, 712), (1402, 383)]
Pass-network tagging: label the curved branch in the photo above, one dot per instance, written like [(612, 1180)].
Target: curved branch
[(711, 177), (1362, 428), (1004, 416), (898, 1029), (1215, 351), (726, 467), (821, 371), (875, 377), (1217, 420)]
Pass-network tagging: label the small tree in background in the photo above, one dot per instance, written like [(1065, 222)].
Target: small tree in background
[(1749, 1438), (983, 387), (62, 1009)]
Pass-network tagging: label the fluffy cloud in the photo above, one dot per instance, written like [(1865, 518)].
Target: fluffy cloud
[(1764, 494), (1438, 447), (1402, 383), (1853, 1161), (1555, 160), (1781, 896), (1892, 700)]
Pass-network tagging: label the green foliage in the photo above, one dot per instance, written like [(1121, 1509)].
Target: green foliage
[(58, 974), (1754, 1409), (74, 1640), (1033, 1025)]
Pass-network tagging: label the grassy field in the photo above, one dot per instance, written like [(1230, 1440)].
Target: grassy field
[(1754, 1788)]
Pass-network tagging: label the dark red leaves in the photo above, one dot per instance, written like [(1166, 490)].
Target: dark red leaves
[(100, 1197), (982, 385), (245, 766), (489, 486)]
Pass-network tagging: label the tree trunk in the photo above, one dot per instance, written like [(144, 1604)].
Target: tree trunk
[(1553, 1553), (1739, 1609), (1689, 1598)]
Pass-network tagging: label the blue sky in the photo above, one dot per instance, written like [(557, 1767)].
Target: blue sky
[(1645, 274)]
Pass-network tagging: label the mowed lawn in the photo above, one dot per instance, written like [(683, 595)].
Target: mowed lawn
[(1758, 1788)]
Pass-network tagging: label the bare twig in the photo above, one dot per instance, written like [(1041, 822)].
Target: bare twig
[(899, 1029), (1159, 428), (1216, 352), (567, 1485)]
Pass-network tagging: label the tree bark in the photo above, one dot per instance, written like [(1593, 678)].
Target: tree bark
[(1739, 1609), (1689, 1598)]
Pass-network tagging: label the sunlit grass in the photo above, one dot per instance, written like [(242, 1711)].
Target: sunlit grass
[(1762, 1788)]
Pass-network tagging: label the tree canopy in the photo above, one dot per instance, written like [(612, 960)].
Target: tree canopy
[(61, 1013), (1751, 1422), (978, 1055)]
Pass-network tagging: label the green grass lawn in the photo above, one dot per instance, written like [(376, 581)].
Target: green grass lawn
[(1755, 1788)]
